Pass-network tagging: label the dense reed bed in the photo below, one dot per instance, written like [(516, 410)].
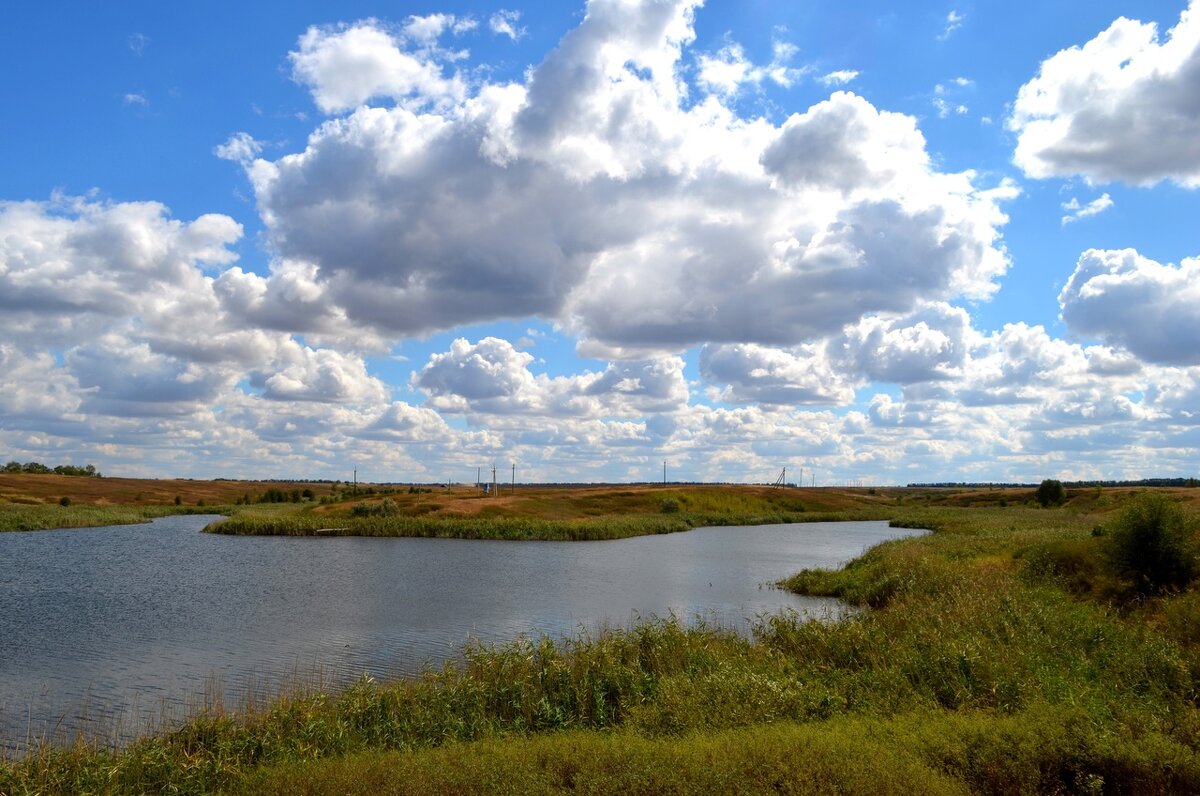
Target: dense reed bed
[(992, 656), (40, 517)]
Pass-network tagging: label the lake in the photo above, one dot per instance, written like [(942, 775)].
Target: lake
[(103, 629)]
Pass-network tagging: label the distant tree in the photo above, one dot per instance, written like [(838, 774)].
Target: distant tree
[(36, 467), (12, 467), (1050, 493), (307, 494)]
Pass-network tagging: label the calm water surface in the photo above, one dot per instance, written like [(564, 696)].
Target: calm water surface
[(103, 628)]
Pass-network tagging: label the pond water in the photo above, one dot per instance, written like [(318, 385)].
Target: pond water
[(105, 629)]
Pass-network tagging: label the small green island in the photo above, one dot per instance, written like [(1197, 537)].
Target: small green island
[(1036, 641)]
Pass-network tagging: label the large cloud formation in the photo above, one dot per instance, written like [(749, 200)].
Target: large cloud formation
[(1124, 106), (602, 192), (1129, 300), (120, 291)]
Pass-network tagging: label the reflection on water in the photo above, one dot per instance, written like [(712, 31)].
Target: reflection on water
[(113, 626)]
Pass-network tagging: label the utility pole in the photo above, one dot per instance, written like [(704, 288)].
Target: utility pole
[(801, 477), (494, 492), (664, 472), (512, 490), (478, 483), (356, 482)]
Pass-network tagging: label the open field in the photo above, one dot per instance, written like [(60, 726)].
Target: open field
[(1002, 653)]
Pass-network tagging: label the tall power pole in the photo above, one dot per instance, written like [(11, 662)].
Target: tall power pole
[(512, 490), (664, 472)]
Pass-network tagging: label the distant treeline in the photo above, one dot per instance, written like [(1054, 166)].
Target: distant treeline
[(1069, 484), (42, 469)]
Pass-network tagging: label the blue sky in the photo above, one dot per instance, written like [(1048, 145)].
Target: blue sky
[(954, 241)]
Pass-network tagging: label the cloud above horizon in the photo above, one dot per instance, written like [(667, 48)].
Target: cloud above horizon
[(447, 205), (1123, 107)]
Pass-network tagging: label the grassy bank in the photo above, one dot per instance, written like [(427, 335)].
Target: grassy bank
[(40, 517), (998, 654)]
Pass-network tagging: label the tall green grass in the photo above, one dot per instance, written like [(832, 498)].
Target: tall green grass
[(1048, 750)]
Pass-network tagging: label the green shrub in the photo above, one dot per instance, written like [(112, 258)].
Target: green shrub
[(385, 508), (669, 506), (1152, 544), (64, 501)]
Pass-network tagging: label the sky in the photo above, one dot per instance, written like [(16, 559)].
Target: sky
[(871, 244)]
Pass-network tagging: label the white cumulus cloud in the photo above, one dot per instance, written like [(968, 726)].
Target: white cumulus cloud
[(763, 375), (1124, 106), (1129, 300), (239, 148), (345, 66), (594, 193)]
